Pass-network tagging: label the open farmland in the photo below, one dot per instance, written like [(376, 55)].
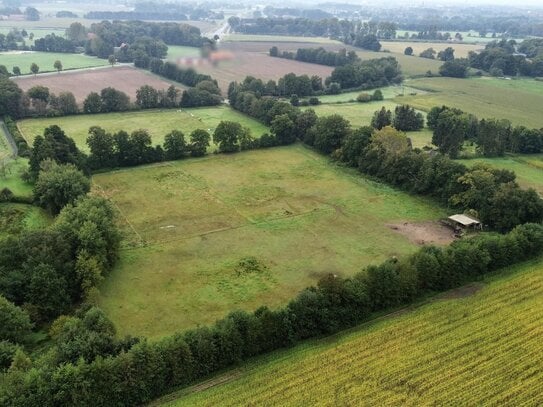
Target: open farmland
[(480, 350), (259, 65), (10, 177), (46, 60), (157, 122), (517, 100), (460, 50), (81, 83), (188, 225)]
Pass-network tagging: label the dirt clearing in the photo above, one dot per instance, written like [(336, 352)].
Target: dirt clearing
[(424, 232)]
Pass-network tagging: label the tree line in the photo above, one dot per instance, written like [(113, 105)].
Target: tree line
[(452, 128), (317, 56), (88, 365), (388, 155), (38, 101)]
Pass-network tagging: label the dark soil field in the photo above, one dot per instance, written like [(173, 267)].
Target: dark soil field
[(82, 82)]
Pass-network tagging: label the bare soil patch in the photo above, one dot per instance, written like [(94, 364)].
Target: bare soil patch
[(424, 232), (260, 65), (82, 82)]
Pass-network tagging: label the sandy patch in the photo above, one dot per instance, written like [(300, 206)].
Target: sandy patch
[(424, 232)]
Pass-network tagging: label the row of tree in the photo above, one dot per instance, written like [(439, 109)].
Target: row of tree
[(317, 56), (453, 127), (87, 365)]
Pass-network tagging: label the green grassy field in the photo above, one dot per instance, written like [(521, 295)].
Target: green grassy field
[(10, 177), (16, 218), (278, 38), (389, 92), (46, 60), (518, 100), (158, 122), (529, 168), (410, 65), (480, 350), (191, 222), (38, 33), (177, 51)]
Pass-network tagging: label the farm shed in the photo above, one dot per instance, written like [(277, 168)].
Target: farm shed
[(465, 221)]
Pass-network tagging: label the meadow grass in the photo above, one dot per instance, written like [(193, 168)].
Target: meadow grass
[(483, 97), (187, 225), (10, 177), (480, 350), (158, 122), (46, 60), (411, 66), (389, 92), (178, 51), (529, 168)]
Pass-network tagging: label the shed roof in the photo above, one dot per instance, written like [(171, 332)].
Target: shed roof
[(464, 220)]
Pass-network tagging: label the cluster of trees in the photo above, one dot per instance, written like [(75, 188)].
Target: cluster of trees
[(87, 366), (387, 154), (39, 101), (500, 58), (138, 37), (123, 150), (53, 43), (405, 118), (157, 12), (288, 85), (453, 127), (372, 73), (317, 56)]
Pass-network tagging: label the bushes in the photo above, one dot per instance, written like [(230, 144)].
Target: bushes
[(132, 372)]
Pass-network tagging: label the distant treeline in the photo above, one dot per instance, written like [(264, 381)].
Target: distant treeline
[(158, 11), (317, 56)]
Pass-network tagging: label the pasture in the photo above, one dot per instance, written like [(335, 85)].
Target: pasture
[(45, 60), (10, 177), (460, 50), (467, 347), (158, 122), (81, 83), (179, 51), (518, 100), (191, 225)]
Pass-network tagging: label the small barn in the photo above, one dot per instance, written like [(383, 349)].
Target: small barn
[(462, 221)]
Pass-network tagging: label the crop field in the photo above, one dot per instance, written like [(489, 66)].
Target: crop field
[(483, 349), (486, 98), (460, 50), (45, 60), (190, 225), (259, 65), (529, 168), (157, 122), (81, 83)]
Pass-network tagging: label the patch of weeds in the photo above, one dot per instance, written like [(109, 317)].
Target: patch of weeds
[(250, 265)]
